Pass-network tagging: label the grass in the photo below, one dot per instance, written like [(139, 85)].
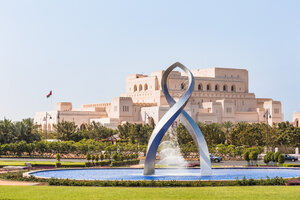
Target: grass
[(111, 193), (41, 163)]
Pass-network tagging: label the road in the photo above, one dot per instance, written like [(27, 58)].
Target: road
[(223, 163)]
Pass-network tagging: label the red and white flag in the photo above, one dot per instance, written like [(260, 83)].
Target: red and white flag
[(49, 94)]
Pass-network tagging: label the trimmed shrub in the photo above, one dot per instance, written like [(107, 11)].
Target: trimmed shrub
[(88, 164), (88, 157), (57, 164), (281, 159), (276, 155), (58, 157), (268, 157), (253, 155), (246, 156)]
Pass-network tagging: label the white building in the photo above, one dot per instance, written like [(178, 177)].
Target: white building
[(220, 94)]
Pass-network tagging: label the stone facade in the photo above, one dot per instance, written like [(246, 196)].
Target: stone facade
[(296, 119), (220, 94)]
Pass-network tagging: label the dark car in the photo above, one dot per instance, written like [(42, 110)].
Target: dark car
[(215, 158), (289, 157)]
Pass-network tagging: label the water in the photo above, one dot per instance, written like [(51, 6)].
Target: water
[(169, 151), (167, 174)]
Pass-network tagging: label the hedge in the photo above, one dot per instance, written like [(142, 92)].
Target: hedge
[(291, 165), (67, 182)]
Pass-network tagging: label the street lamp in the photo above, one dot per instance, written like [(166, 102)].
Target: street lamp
[(146, 117), (45, 119), (267, 115)]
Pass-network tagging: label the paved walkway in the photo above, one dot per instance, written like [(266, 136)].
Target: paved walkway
[(8, 182)]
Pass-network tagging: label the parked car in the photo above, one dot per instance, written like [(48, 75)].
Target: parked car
[(289, 157), (215, 158)]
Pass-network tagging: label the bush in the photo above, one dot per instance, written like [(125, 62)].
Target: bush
[(253, 155), (115, 156), (57, 164), (273, 157), (281, 159), (58, 157), (88, 157), (246, 156), (88, 164), (268, 157), (97, 158), (276, 155)]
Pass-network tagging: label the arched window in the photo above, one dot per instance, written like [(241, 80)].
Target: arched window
[(83, 126), (182, 86), (232, 88), (297, 123), (134, 88), (224, 87), (200, 87), (216, 87), (145, 86), (140, 87), (208, 87)]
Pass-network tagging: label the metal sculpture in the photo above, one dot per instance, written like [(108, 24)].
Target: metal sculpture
[(177, 108)]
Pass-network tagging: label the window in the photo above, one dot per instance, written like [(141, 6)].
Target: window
[(232, 88), (208, 87), (200, 87), (224, 87), (216, 88), (182, 86), (145, 86), (297, 123), (140, 87), (125, 108), (134, 88)]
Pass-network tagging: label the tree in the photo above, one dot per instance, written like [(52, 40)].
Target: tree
[(88, 157), (253, 155), (97, 131), (227, 126), (124, 130), (281, 159), (246, 156), (213, 133), (268, 157), (67, 131), (276, 155)]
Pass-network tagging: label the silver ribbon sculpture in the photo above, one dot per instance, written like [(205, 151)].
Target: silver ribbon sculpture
[(177, 108)]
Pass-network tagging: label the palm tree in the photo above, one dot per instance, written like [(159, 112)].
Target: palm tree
[(227, 126)]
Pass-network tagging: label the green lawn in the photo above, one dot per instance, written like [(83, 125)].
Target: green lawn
[(119, 193)]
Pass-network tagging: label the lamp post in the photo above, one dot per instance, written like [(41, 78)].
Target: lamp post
[(267, 115), (146, 117), (45, 119)]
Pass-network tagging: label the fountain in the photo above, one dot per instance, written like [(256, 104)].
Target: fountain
[(176, 109), (170, 152)]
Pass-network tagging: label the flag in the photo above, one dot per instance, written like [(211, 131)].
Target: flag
[(49, 94)]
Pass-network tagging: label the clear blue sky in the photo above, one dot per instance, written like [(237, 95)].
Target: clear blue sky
[(83, 50)]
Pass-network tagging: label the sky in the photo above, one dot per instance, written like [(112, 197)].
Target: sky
[(83, 50)]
